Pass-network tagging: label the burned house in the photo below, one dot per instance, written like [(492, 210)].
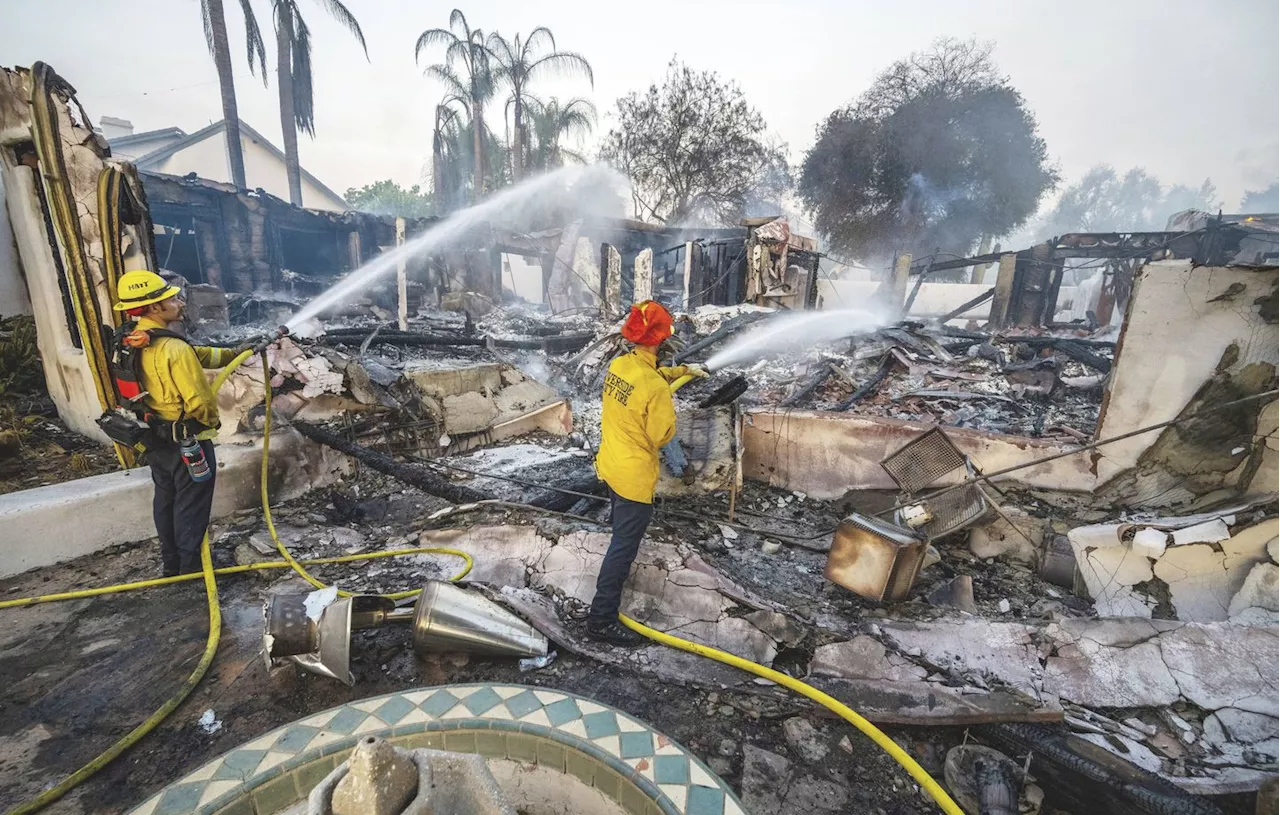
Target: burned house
[(1074, 524)]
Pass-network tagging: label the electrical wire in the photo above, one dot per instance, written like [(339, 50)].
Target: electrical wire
[(987, 477)]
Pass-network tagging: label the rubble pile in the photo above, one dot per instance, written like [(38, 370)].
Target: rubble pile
[(1046, 385)]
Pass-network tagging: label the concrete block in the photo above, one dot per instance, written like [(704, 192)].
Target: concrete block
[(1203, 578), (863, 657), (1111, 571), (522, 397), (1004, 650), (1261, 590), (439, 381), (60, 522), (206, 306), (711, 441), (826, 455), (643, 288), (468, 413), (1110, 663)]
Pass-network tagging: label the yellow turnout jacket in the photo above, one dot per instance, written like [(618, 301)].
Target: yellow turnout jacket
[(173, 377), (637, 419)]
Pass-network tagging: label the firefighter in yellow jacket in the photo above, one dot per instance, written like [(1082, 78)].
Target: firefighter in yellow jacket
[(179, 403), (637, 419)]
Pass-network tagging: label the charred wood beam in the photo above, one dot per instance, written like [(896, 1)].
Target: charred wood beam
[(584, 482), (729, 327), (414, 476), (1080, 341), (1083, 355), (977, 301), (560, 344), (811, 384), (1033, 341), (870, 385)]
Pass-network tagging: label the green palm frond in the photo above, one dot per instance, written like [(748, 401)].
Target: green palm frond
[(303, 95)]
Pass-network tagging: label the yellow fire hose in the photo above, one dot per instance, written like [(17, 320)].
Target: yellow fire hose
[(215, 621), (837, 707), (887, 744)]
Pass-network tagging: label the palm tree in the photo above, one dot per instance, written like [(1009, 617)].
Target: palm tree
[(215, 34), (458, 160), (293, 70), (518, 64), (446, 121), (552, 123), (465, 72)]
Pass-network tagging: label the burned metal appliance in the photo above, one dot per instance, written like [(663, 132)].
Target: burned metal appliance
[(874, 558), (879, 559), (314, 630)]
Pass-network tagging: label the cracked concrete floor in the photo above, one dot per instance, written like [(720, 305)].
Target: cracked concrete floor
[(74, 681), (75, 676)]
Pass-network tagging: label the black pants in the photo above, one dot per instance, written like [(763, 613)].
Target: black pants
[(181, 507), (630, 520)]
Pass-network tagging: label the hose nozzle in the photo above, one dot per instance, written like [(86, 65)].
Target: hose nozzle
[(280, 333)]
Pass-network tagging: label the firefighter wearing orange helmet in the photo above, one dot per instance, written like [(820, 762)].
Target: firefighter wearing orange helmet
[(637, 419)]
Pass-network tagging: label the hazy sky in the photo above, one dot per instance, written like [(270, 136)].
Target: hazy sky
[(1184, 89)]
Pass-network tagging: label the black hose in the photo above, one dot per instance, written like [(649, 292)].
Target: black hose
[(1080, 776)]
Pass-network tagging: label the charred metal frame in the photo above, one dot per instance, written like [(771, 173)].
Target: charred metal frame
[(1026, 295)]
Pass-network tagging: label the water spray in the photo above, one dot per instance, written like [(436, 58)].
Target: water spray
[(792, 331), (510, 204)]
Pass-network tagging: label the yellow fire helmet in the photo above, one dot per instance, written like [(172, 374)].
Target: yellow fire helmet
[(142, 288)]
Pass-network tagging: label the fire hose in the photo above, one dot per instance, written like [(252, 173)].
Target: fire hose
[(208, 574)]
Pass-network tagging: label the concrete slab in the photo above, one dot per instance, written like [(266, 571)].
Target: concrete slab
[(1153, 663), (1261, 589), (439, 380), (1003, 651), (863, 657), (60, 522)]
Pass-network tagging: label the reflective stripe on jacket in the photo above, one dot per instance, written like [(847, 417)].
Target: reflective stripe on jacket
[(173, 377), (637, 418)]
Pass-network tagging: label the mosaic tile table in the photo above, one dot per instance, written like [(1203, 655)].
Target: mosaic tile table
[(629, 762)]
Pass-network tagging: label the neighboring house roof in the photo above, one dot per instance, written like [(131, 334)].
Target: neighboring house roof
[(146, 136), (153, 159)]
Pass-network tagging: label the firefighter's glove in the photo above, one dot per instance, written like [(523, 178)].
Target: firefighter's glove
[(698, 370)]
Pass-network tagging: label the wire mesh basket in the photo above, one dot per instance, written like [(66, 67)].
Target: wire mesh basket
[(954, 510), (922, 461)]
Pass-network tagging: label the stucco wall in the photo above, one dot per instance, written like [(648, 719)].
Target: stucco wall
[(65, 366), (1184, 326), (828, 454), (13, 291), (47, 525)]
